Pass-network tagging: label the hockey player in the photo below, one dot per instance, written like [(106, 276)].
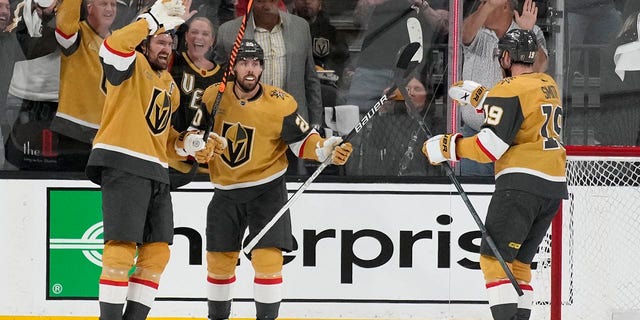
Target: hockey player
[(522, 135), (82, 89), (259, 122), (129, 160)]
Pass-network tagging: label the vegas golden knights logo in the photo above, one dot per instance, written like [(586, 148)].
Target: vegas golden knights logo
[(240, 141), (159, 111), (321, 47)]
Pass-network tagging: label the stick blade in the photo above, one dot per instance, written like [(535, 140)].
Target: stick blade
[(406, 54)]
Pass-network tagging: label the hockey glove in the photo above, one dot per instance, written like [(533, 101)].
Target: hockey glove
[(331, 147), (469, 92), (164, 16), (191, 143), (441, 148), (215, 145)]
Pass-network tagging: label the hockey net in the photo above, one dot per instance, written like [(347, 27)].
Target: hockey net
[(586, 266)]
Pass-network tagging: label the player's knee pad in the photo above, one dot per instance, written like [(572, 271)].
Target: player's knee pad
[(267, 261), (222, 263), (117, 259), (491, 268), (152, 259), (521, 271)]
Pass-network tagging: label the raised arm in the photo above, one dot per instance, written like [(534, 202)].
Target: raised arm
[(67, 24), (476, 20)]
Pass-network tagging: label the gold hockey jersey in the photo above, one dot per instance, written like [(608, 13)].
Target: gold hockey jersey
[(258, 132), (135, 134), (522, 133), (82, 91)]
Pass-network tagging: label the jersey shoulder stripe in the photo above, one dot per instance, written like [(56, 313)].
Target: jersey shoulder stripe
[(120, 61), (118, 50)]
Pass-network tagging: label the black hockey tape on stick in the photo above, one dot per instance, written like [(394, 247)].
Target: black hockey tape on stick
[(465, 198), (181, 180), (403, 68)]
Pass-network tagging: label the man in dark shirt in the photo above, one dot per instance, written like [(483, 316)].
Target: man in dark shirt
[(330, 48)]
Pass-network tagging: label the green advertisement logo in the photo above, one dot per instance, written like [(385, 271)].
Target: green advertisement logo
[(75, 243)]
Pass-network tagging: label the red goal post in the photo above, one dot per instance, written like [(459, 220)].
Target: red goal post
[(587, 264)]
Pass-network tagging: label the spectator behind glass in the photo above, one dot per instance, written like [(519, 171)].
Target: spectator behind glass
[(82, 90), (618, 118), (128, 11), (375, 63), (5, 15), (330, 49), (194, 72), (393, 147), (480, 33), (288, 61), (217, 11), (34, 88), (241, 6), (9, 54), (589, 22)]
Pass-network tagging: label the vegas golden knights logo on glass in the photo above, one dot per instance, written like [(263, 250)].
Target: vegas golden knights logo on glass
[(240, 140), (159, 111), (321, 47)]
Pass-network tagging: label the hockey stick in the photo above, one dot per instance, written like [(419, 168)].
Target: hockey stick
[(188, 177), (383, 28), (403, 65), (465, 198)]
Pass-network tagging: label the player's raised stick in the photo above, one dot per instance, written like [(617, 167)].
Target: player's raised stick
[(403, 68)]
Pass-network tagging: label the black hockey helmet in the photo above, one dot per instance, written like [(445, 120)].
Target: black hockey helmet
[(521, 45), (249, 48)]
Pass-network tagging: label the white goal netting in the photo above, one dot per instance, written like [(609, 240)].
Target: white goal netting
[(600, 235)]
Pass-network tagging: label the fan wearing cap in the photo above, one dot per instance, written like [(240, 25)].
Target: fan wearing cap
[(522, 134), (260, 122), (129, 159)]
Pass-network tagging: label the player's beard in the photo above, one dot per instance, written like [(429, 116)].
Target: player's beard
[(248, 86), (157, 64)]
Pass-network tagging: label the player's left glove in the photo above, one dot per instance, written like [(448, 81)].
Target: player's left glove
[(191, 143), (164, 15), (333, 148), (215, 145), (441, 148), (467, 92)]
